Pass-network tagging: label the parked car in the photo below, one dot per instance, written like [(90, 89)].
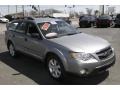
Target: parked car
[(87, 21), (9, 17), (60, 46), (63, 16), (104, 21), (3, 20), (117, 20)]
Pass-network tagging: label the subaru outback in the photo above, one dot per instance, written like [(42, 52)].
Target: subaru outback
[(60, 46)]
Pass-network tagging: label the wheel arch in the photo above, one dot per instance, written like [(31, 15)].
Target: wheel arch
[(57, 54), (8, 43)]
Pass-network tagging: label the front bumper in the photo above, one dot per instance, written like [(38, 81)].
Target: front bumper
[(76, 66)]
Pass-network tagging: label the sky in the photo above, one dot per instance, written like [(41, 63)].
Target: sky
[(79, 8)]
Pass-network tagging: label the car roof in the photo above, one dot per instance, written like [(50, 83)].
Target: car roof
[(38, 20), (41, 20)]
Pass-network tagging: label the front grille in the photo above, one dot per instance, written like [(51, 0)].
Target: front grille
[(104, 53), (104, 67)]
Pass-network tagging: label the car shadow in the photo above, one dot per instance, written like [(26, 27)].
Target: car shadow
[(36, 71)]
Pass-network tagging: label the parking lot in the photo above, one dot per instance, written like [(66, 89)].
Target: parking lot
[(29, 71)]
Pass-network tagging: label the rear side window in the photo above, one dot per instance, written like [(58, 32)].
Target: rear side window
[(12, 26), (118, 16), (32, 30), (22, 27)]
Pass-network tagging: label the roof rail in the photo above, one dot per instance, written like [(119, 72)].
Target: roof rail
[(48, 16), (26, 18)]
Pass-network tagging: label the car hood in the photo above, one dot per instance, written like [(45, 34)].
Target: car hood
[(82, 43)]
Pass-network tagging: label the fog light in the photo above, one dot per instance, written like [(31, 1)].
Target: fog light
[(83, 71)]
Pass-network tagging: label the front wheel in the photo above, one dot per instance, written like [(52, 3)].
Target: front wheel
[(55, 68)]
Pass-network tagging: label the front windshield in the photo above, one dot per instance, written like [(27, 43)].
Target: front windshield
[(59, 27)]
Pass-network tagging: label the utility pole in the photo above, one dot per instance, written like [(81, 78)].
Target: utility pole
[(102, 9), (8, 9), (39, 10), (23, 9), (16, 10), (65, 9)]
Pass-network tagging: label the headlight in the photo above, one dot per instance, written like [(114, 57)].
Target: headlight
[(81, 56)]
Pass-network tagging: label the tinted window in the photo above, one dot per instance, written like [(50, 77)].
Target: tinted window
[(22, 27), (105, 17), (32, 30), (118, 16), (91, 18), (81, 17), (85, 18)]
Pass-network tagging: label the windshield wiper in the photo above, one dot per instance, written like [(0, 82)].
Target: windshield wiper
[(66, 34), (73, 33)]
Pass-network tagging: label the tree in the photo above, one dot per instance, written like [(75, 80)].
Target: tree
[(111, 10), (51, 11), (89, 11), (34, 7), (33, 13), (76, 14), (96, 12), (42, 12)]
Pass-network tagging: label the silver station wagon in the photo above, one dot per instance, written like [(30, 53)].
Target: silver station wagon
[(60, 46)]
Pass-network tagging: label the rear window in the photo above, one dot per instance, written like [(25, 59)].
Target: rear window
[(88, 18), (12, 26), (22, 27), (105, 17)]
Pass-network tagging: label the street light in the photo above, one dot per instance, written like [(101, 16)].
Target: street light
[(8, 9), (39, 10)]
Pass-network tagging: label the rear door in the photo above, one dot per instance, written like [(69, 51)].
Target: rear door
[(10, 33), (19, 36)]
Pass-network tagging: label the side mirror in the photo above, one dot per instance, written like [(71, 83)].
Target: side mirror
[(51, 35)]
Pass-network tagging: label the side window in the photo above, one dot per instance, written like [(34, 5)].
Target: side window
[(13, 26), (22, 27), (33, 31)]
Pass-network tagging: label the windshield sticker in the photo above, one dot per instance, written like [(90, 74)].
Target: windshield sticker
[(53, 22), (45, 26)]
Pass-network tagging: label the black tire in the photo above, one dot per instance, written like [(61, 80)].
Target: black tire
[(98, 26), (12, 50), (61, 69), (82, 25)]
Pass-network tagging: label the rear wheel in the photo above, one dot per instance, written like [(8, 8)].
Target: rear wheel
[(55, 67), (98, 26), (12, 50)]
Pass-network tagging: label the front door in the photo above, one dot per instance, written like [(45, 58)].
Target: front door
[(33, 41)]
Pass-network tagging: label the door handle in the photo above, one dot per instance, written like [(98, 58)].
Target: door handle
[(13, 35), (26, 39)]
